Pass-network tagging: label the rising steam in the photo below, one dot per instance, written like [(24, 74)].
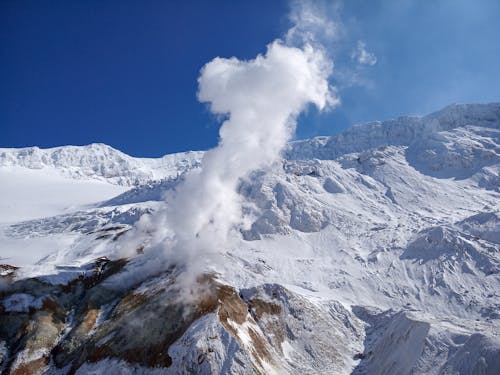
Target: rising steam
[(260, 99)]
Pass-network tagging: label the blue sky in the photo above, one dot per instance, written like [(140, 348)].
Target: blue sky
[(125, 72)]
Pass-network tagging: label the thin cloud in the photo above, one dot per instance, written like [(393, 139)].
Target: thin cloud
[(362, 56), (320, 23), (314, 22)]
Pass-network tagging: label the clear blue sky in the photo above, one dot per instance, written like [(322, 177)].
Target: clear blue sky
[(124, 72)]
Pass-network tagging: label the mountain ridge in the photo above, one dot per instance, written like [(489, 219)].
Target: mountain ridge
[(89, 161), (100, 161), (400, 131)]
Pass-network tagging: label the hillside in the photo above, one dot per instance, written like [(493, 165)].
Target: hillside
[(375, 251)]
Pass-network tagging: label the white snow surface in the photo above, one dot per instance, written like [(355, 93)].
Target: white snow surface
[(395, 222), (29, 194), (98, 161), (35, 193)]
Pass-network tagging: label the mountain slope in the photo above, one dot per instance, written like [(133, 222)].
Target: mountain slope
[(374, 251), (99, 161)]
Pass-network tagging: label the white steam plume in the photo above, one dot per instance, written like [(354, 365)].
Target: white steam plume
[(261, 99)]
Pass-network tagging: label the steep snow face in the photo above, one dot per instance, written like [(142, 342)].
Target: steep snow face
[(456, 153), (100, 162), (400, 132), (449, 246), (375, 251)]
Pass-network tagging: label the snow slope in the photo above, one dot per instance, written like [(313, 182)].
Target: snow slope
[(28, 194), (39, 183), (33, 193), (376, 251)]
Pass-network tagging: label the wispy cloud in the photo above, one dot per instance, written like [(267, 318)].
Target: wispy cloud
[(362, 55), (313, 22), (320, 23)]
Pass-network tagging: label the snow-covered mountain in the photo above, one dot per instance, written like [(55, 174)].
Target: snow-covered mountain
[(99, 162), (376, 251)]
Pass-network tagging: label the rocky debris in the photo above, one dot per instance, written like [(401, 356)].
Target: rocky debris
[(85, 322), (34, 314), (7, 272)]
